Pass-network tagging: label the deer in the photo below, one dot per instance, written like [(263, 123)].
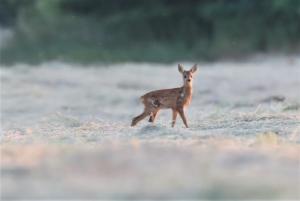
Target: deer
[(176, 99)]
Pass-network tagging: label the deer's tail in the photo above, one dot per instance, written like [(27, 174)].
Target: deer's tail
[(142, 99)]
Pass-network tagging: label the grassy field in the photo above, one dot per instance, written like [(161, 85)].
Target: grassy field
[(65, 132)]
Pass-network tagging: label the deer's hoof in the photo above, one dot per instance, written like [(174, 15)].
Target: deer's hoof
[(151, 119), (133, 123)]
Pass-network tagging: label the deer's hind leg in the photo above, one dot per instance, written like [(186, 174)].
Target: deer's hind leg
[(153, 116), (153, 106), (149, 110), (138, 118)]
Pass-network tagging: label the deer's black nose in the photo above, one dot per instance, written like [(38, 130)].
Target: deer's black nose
[(189, 80)]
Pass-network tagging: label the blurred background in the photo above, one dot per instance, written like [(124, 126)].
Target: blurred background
[(88, 31), (72, 72)]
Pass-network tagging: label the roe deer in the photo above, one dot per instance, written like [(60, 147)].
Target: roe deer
[(176, 99)]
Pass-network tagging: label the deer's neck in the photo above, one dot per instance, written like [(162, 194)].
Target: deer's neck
[(186, 95), (187, 90)]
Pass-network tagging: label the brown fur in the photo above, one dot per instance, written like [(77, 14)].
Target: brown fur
[(176, 99)]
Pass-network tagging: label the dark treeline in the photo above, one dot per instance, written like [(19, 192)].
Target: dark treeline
[(147, 30)]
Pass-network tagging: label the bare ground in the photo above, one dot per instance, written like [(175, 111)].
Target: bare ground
[(65, 132)]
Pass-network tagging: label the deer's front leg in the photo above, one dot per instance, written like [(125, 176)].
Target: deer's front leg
[(181, 113), (174, 115)]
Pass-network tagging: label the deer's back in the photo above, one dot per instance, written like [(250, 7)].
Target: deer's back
[(164, 98)]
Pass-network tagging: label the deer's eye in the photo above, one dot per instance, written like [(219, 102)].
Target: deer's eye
[(184, 76)]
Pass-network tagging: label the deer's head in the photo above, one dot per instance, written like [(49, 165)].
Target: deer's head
[(187, 74)]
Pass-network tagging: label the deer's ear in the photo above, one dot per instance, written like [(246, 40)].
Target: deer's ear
[(194, 68), (180, 68)]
